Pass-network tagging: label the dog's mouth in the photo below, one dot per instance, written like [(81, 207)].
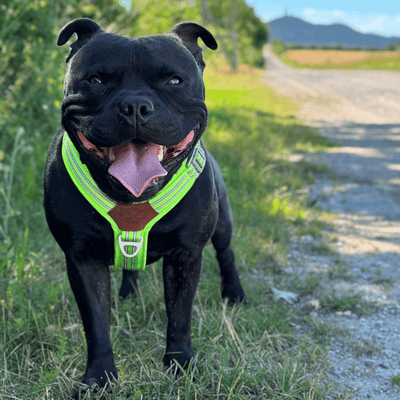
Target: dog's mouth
[(137, 163)]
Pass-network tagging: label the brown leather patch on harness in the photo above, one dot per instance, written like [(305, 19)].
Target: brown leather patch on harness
[(132, 217)]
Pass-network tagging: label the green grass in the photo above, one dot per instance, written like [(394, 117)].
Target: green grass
[(348, 302), (396, 380), (247, 352)]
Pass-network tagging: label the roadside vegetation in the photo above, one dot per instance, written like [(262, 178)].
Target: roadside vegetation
[(338, 57), (266, 349)]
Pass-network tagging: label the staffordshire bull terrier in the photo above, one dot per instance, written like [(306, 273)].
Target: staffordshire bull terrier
[(128, 180)]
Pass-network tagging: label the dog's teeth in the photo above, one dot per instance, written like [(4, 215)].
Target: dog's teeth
[(161, 153)]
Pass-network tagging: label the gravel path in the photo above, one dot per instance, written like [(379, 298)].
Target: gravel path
[(361, 111)]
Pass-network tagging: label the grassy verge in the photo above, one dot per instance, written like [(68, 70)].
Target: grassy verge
[(248, 352), (253, 134), (336, 59)]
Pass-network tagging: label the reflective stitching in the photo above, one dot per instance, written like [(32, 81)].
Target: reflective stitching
[(168, 194), (95, 191), (172, 194), (176, 193)]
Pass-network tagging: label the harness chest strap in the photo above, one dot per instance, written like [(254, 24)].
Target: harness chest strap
[(131, 223)]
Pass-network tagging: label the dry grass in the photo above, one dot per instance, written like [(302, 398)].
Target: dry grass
[(339, 59)]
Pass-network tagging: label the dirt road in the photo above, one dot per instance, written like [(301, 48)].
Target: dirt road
[(361, 111), (371, 97)]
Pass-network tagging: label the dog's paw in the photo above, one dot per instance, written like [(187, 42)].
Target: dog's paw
[(79, 392), (180, 359), (103, 382), (235, 294), (93, 387)]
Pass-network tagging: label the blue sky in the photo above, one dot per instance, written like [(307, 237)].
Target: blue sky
[(381, 17)]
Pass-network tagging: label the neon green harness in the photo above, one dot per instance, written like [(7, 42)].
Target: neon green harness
[(131, 223)]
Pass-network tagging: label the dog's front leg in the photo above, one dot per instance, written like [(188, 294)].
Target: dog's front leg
[(90, 283), (181, 276)]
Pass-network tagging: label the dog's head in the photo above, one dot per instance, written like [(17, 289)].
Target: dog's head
[(134, 107)]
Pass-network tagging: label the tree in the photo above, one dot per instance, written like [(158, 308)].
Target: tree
[(31, 65), (240, 32)]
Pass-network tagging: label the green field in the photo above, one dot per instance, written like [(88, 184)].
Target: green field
[(341, 59), (247, 352)]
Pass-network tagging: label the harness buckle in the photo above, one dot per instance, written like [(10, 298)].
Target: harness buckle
[(124, 243), (197, 159)]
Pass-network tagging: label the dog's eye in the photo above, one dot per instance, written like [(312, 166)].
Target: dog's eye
[(175, 81), (95, 80)]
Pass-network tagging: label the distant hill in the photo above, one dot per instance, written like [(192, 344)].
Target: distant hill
[(293, 30)]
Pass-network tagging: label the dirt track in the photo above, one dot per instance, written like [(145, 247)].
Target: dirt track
[(361, 111), (371, 97)]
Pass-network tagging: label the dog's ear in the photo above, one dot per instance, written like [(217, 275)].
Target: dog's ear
[(189, 32), (85, 28)]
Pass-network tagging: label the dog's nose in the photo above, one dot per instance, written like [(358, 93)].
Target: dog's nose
[(136, 108)]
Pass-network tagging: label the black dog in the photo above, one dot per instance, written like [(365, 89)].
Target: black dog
[(132, 120)]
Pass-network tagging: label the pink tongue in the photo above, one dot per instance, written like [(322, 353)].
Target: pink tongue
[(136, 166)]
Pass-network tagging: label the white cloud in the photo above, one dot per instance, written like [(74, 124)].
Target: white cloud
[(338, 13), (373, 24), (308, 12), (323, 16), (381, 24)]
